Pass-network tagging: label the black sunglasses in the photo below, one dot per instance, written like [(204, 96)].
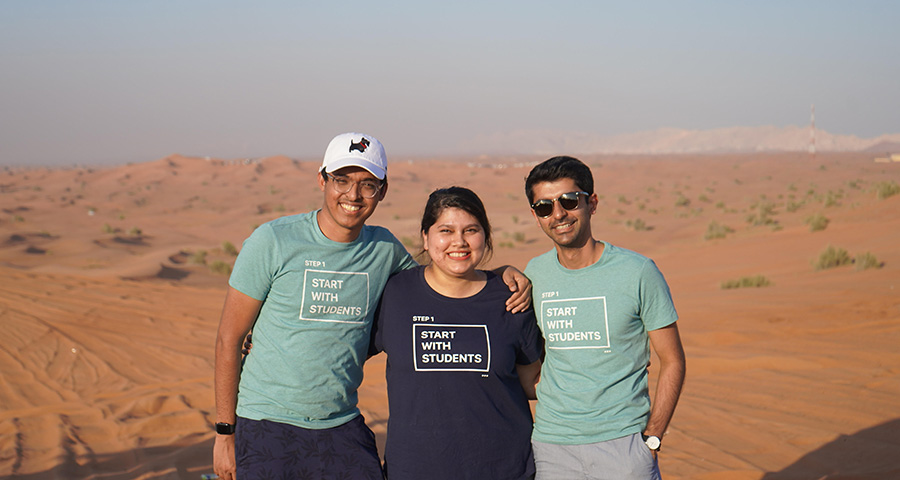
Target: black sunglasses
[(569, 201)]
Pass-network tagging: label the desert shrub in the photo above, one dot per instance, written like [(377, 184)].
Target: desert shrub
[(135, 232), (865, 261), (519, 237), (717, 230), (793, 206), (229, 248), (638, 225), (682, 201), (107, 228), (220, 267), (886, 189), (831, 199), (199, 257), (832, 257), (755, 281), (704, 198), (817, 222), (761, 213)]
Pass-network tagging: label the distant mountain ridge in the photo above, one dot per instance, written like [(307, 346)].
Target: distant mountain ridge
[(676, 140)]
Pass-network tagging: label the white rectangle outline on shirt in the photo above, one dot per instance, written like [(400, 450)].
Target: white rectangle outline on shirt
[(303, 297), (605, 320), (487, 336)]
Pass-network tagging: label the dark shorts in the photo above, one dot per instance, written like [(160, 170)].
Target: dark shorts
[(272, 450)]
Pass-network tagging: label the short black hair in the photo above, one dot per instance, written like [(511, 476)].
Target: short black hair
[(557, 168)]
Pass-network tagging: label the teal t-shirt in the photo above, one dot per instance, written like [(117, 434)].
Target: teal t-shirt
[(312, 333), (595, 321)]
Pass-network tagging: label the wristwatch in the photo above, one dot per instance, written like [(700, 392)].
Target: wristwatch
[(225, 429), (653, 442)]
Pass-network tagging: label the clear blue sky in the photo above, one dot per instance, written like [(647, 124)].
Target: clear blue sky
[(120, 81)]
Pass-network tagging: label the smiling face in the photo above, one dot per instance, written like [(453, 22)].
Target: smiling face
[(567, 228), (343, 215), (455, 243)]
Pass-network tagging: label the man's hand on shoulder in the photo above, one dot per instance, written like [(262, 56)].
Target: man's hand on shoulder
[(519, 285)]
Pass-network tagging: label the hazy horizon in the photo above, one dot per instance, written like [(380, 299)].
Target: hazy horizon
[(103, 82)]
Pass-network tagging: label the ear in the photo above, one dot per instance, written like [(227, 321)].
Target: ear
[(425, 241), (383, 191), (321, 180), (593, 201)]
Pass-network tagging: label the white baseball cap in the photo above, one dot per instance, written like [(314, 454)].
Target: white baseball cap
[(355, 150)]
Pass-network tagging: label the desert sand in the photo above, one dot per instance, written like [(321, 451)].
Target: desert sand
[(112, 281)]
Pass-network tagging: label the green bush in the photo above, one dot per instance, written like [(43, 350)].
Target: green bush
[(832, 257), (717, 230), (199, 257), (761, 213), (638, 225), (229, 248), (755, 281), (865, 261), (793, 206), (817, 222), (220, 267), (886, 189)]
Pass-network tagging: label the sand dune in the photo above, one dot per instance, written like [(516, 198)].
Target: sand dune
[(111, 283)]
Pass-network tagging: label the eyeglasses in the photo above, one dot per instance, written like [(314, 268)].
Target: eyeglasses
[(367, 188), (569, 201)]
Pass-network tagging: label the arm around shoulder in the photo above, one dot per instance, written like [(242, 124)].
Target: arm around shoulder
[(519, 285)]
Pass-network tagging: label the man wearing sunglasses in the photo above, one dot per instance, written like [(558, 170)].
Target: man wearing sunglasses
[(600, 307), (308, 285)]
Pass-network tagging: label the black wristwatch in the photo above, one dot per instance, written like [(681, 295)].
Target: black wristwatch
[(225, 429)]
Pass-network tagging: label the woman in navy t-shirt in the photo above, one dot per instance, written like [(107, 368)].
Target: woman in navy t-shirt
[(460, 368)]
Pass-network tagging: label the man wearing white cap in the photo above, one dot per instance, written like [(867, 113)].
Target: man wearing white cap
[(308, 285)]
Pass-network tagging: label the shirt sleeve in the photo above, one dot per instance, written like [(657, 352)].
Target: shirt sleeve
[(531, 343), (376, 340), (255, 266), (657, 308)]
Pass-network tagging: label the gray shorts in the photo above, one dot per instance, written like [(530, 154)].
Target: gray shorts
[(626, 458)]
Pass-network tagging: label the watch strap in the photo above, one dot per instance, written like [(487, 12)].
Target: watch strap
[(224, 428)]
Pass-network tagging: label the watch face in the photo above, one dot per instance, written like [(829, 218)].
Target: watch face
[(653, 443)]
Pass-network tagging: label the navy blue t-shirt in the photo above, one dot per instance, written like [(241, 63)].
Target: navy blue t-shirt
[(457, 409)]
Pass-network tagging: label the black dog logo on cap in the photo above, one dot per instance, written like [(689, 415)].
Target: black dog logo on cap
[(360, 147)]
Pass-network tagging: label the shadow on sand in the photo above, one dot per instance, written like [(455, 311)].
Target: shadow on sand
[(873, 453), (156, 463)]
